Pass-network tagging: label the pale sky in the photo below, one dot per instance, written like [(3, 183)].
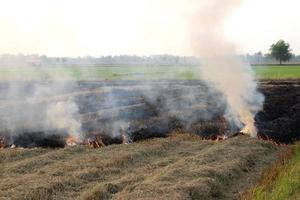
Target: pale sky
[(143, 27)]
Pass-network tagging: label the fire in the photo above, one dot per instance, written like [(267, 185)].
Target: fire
[(218, 138), (249, 128), (72, 141), (95, 143)]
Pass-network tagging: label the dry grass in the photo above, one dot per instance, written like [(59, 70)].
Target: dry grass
[(178, 167)]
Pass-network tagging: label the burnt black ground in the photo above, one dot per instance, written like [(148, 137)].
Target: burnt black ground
[(280, 118), (145, 109)]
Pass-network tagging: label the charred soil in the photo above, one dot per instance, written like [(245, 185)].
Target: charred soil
[(112, 109), (280, 118)]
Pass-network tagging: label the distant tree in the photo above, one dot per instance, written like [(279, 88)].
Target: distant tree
[(281, 51)]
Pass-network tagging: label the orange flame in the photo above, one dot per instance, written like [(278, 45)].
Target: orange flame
[(72, 140)]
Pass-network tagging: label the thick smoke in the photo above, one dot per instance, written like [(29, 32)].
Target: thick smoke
[(221, 66)]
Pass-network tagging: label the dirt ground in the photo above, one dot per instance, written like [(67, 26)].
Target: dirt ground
[(181, 166)]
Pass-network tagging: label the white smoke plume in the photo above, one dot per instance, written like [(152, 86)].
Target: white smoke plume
[(221, 67), (60, 115), (41, 105)]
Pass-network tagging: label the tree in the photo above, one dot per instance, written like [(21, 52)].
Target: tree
[(281, 51)]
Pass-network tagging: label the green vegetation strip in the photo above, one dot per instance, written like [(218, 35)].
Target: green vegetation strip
[(133, 72), (99, 73), (280, 182), (277, 72)]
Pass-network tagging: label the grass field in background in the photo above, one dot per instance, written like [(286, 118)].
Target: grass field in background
[(100, 72), (277, 72), (133, 72)]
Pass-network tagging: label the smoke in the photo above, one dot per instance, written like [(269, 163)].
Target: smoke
[(39, 107), (61, 115), (141, 108), (221, 67), (61, 111)]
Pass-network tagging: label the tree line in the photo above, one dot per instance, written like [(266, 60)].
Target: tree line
[(155, 60), (279, 52)]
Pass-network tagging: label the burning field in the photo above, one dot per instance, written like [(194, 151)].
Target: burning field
[(115, 112), (195, 126), (162, 139)]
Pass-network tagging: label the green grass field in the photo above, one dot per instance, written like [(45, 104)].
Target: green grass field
[(99, 72), (133, 72), (280, 182), (277, 72)]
